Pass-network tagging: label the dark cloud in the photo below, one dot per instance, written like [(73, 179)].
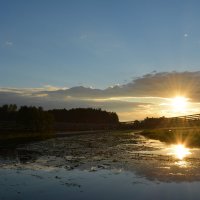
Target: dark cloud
[(49, 103), (165, 84), (168, 84)]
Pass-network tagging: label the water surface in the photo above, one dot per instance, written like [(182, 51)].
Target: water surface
[(99, 166)]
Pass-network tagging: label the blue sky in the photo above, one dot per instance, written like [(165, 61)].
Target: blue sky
[(95, 43), (148, 49)]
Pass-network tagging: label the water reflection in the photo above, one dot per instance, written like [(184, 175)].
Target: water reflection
[(103, 184), (180, 151), (182, 163), (154, 160)]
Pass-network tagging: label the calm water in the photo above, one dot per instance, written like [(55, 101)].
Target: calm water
[(130, 167), (103, 184)]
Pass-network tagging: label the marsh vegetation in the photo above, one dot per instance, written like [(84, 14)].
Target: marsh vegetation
[(189, 136)]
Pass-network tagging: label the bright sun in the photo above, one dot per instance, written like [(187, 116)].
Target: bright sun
[(179, 103)]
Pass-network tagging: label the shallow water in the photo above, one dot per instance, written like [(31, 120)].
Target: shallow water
[(99, 166), (103, 184)]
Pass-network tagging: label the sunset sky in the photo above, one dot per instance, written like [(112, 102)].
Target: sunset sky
[(127, 56)]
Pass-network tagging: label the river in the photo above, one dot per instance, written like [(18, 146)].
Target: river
[(110, 166)]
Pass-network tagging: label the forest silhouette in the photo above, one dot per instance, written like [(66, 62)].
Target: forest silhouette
[(36, 119)]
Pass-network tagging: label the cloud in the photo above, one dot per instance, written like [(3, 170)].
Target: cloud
[(30, 91), (143, 96), (8, 43), (163, 85), (185, 35), (83, 36)]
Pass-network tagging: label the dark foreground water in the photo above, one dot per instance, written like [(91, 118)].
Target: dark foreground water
[(99, 166), (103, 184)]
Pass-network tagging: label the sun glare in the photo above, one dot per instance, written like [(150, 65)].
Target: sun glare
[(180, 151), (179, 104)]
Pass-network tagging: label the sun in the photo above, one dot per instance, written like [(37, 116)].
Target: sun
[(179, 104)]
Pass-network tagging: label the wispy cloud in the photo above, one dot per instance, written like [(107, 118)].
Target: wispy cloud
[(99, 44), (45, 88), (83, 36), (8, 44)]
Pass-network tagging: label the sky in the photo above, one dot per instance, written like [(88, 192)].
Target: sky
[(80, 47)]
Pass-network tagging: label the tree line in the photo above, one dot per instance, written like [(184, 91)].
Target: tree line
[(163, 122), (26, 118), (36, 119), (84, 115)]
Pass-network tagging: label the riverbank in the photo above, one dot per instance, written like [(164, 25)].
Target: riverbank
[(10, 138), (188, 136), (16, 137)]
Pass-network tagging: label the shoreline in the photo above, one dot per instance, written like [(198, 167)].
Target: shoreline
[(27, 136)]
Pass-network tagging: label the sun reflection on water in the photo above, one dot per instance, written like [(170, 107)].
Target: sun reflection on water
[(180, 151), (182, 164)]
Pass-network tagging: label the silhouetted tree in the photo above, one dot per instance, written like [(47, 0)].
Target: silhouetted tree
[(8, 112), (35, 119), (84, 115)]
